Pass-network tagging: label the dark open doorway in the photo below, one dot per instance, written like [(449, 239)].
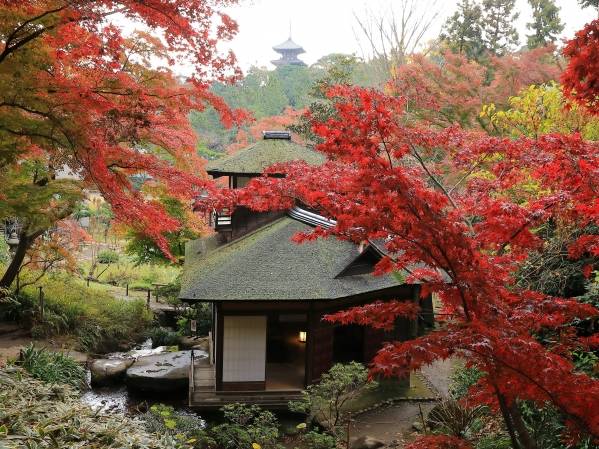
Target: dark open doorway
[(348, 343)]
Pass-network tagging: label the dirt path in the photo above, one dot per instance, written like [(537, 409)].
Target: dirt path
[(13, 338)]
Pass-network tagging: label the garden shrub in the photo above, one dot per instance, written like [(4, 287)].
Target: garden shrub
[(200, 312), (162, 337), (325, 399), (108, 256), (52, 367), (316, 440), (246, 426), (164, 420), (88, 314)]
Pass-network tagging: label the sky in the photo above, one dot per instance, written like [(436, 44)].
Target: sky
[(322, 27)]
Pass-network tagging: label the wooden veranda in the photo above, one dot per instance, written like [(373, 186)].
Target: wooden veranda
[(203, 394)]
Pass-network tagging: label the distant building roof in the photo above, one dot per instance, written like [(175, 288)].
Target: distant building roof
[(256, 158), (266, 265), (289, 46), (289, 51)]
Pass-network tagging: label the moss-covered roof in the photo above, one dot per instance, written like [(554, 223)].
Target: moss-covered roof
[(266, 265), (259, 156)]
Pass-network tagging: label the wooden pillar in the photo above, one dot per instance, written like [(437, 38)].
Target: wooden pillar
[(218, 347), (416, 299), (309, 362)]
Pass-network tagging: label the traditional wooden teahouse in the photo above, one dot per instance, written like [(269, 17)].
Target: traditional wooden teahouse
[(269, 294)]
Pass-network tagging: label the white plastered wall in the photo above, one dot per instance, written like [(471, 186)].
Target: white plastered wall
[(244, 348)]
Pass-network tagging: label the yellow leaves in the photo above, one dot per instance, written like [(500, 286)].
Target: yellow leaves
[(539, 110), (487, 110), (255, 446)]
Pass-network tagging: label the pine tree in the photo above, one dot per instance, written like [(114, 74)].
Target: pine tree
[(546, 24), (463, 31), (498, 22), (589, 3)]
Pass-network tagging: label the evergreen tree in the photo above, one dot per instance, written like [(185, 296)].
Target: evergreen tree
[(498, 22), (463, 31), (546, 24), (589, 3)]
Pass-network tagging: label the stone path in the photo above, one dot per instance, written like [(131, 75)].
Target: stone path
[(393, 424)]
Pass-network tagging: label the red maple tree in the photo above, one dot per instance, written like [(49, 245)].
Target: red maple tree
[(78, 95), (463, 241), (455, 91), (581, 78)]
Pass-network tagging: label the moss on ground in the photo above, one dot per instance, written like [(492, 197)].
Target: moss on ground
[(388, 390)]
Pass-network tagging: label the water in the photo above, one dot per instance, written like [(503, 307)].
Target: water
[(143, 349), (119, 399)]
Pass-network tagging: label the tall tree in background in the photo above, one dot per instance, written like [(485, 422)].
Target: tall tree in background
[(463, 31), (498, 22), (389, 37), (589, 3), (77, 95), (456, 91), (546, 24)]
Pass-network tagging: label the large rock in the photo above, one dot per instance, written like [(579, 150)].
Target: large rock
[(194, 343), (109, 371), (367, 442), (161, 372)]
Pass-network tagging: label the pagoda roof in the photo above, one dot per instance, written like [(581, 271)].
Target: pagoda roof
[(256, 158), (286, 270), (289, 45)]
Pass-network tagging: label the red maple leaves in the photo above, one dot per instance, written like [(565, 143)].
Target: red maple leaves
[(581, 79), (109, 106), (463, 209)]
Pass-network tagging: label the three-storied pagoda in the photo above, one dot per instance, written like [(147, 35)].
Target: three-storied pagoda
[(289, 52)]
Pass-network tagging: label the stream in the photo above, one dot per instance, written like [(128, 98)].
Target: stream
[(119, 399)]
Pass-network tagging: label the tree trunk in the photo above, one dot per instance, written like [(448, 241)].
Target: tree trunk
[(507, 418), (523, 433), (25, 242), (514, 423)]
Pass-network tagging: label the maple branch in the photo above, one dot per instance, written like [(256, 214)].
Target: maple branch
[(464, 177), (574, 419), (9, 49), (445, 192)]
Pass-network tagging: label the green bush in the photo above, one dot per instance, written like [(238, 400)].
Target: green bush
[(316, 440), (163, 420), (108, 256), (162, 337), (202, 313), (52, 367), (246, 426), (462, 379), (88, 314), (326, 398)]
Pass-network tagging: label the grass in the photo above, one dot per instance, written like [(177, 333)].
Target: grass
[(124, 272), (90, 315)]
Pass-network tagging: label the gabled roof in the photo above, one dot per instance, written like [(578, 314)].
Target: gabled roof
[(256, 158), (266, 265), (289, 45)]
